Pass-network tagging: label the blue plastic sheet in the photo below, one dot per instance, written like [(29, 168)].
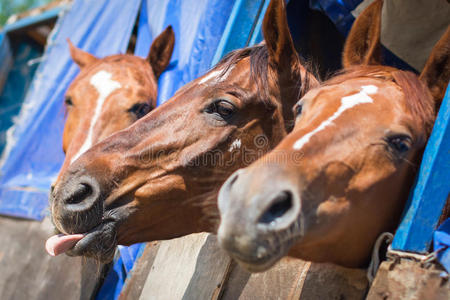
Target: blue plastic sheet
[(441, 244), (198, 27), (114, 281), (121, 269), (339, 11), (33, 155)]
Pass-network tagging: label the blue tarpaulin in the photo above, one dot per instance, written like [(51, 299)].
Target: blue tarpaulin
[(198, 27), (339, 11), (34, 154)]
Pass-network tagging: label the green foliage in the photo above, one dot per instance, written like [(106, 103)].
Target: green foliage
[(10, 7)]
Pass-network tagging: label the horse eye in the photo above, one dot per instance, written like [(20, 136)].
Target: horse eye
[(225, 109), (400, 143), (221, 107), (140, 109), (298, 110), (68, 101)]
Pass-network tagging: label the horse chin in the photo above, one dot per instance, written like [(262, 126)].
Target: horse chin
[(258, 265), (99, 243)]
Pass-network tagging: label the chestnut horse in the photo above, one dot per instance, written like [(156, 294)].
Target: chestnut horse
[(360, 137), (159, 178), (110, 94)]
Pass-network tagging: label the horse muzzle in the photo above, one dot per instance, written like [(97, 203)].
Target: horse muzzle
[(77, 205), (260, 218), (78, 208)]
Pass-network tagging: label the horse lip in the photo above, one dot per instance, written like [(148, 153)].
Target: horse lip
[(254, 260), (257, 264), (260, 264), (93, 236)]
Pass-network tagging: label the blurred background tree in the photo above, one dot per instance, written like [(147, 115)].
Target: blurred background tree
[(10, 7)]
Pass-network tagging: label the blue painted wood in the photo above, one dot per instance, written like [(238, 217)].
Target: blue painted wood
[(240, 27), (33, 20), (431, 189)]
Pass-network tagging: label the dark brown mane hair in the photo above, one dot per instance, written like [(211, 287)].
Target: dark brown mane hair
[(259, 63), (419, 101)]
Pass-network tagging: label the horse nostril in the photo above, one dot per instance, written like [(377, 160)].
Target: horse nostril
[(234, 178), (281, 204), (82, 192), (77, 205), (223, 199)]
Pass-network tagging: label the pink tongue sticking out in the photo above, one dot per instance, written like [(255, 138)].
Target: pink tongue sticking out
[(60, 243)]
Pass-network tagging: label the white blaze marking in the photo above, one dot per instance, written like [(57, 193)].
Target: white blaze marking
[(346, 103), (215, 77), (235, 145), (105, 86)]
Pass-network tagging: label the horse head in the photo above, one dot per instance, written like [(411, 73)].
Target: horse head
[(342, 176)]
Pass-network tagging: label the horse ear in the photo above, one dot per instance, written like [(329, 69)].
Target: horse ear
[(283, 59), (80, 57), (282, 53), (436, 73), (161, 51), (362, 46)]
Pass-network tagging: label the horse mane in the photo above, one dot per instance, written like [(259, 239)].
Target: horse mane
[(259, 67), (419, 101)]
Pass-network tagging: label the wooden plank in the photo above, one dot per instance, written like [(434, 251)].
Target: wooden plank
[(192, 267), (136, 279), (296, 279), (327, 281), (28, 272), (407, 279), (431, 189), (35, 20), (277, 283)]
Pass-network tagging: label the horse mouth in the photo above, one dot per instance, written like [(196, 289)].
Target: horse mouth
[(258, 264), (100, 242), (264, 256)]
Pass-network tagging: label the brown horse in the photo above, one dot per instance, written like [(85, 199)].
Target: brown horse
[(159, 178), (342, 176), (110, 94)]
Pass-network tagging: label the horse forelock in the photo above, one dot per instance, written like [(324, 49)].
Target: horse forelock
[(259, 70), (259, 62), (418, 100)]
